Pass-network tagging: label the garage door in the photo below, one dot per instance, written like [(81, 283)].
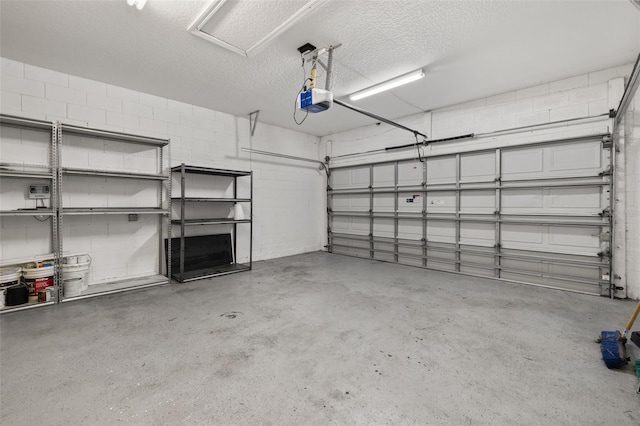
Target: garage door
[(537, 214)]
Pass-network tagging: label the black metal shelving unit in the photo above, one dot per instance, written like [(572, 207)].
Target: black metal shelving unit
[(182, 223)]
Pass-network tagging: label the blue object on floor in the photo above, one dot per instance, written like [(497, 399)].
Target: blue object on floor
[(613, 351)]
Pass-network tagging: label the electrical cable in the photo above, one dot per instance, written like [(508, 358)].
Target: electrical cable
[(295, 104)]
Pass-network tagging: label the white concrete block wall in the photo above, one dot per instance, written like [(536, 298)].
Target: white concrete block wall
[(587, 95), (289, 197)]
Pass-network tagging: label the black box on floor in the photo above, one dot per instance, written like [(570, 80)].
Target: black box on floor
[(635, 338)]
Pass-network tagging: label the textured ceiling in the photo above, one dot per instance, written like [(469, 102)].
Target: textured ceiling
[(468, 49)]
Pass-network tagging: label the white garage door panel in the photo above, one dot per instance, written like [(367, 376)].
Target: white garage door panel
[(440, 254), (478, 234), (350, 225), (550, 282), (475, 259), (517, 164), (352, 202), (584, 157), (435, 263), (521, 236), (441, 202), (478, 201), (551, 238), (383, 175), (410, 202), (383, 203), (340, 225), (529, 228), (571, 200), (488, 272), (411, 261), (414, 251), (574, 240), (410, 174), (553, 161), (384, 246), (383, 228), (410, 229), (586, 200), (441, 231), (384, 257), (441, 170), (350, 178), (539, 267), (520, 201), (575, 271), (479, 167)]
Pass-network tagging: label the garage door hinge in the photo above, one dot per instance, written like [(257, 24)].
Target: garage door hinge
[(329, 188), (606, 172), (605, 213), (607, 142), (498, 179), (605, 253), (329, 211), (498, 246)]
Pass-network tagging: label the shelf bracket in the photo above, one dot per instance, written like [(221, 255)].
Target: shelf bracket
[(253, 121)]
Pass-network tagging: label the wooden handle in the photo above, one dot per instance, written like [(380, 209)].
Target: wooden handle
[(633, 317)]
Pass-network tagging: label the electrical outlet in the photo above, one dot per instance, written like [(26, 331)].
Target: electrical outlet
[(37, 192), (133, 218)]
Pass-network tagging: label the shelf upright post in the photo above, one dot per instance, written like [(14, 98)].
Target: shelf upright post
[(182, 218), (168, 217), (251, 221), (458, 224), (498, 212), (57, 212), (235, 225), (53, 203)]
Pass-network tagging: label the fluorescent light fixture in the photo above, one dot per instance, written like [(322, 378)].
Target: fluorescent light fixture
[(387, 85), (139, 4)]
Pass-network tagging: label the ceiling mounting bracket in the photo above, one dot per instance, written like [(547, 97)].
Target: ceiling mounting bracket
[(253, 121)]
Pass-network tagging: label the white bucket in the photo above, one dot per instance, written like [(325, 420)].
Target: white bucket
[(74, 275), (10, 275), (38, 278), (72, 286)]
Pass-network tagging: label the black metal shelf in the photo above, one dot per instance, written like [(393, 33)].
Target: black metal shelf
[(200, 274), (184, 203), (211, 200), (210, 171), (189, 222)]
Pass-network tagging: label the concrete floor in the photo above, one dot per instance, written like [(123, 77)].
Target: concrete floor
[(319, 339)]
